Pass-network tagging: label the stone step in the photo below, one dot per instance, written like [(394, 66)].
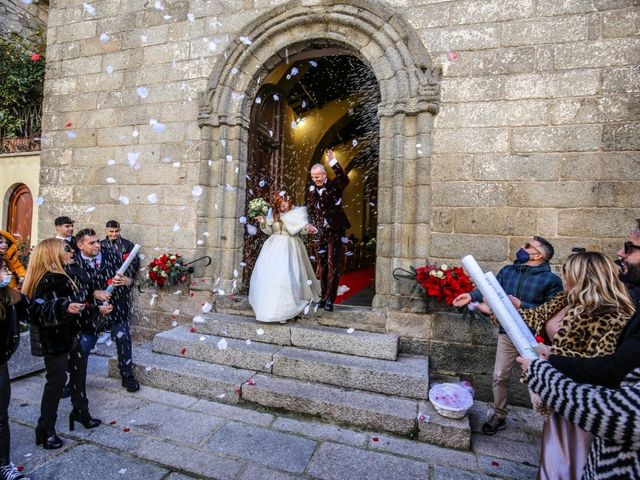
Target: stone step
[(372, 411), (339, 340), (214, 349), (218, 383), (408, 376)]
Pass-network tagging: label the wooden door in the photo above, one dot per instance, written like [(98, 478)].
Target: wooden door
[(265, 165), (20, 212)]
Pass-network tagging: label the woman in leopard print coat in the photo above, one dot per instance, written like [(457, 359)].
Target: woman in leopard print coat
[(583, 321)]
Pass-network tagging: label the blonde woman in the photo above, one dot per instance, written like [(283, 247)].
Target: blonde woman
[(583, 321), (56, 314)]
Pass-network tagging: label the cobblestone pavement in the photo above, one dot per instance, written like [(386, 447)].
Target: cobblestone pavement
[(153, 434)]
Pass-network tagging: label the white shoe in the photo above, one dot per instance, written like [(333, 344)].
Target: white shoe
[(10, 472)]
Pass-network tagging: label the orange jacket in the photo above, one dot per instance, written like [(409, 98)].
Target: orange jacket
[(12, 260)]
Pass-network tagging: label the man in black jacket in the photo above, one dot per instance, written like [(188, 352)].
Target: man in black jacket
[(609, 370), (101, 264), (120, 245)]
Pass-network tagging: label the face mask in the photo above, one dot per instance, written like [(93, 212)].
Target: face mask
[(522, 256)]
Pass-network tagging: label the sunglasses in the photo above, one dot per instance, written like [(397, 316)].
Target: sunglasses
[(630, 247), (528, 245), (68, 249)]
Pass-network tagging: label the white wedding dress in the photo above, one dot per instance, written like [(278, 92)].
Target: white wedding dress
[(279, 288)]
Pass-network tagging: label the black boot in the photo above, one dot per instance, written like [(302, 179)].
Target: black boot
[(130, 383), (322, 303), (48, 438), (84, 418), (328, 306)]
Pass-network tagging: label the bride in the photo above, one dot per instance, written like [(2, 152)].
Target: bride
[(283, 281)]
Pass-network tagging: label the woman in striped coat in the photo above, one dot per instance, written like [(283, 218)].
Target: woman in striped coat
[(611, 415)]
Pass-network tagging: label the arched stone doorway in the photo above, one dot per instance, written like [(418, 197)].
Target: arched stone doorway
[(319, 99), (409, 97), (20, 212)]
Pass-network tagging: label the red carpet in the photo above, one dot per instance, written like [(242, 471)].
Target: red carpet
[(356, 281)]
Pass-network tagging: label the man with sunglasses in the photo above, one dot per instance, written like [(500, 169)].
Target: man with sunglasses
[(529, 282), (609, 370)]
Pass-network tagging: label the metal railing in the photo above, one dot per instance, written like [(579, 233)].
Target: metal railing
[(28, 138)]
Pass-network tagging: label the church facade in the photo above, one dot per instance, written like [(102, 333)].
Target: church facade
[(470, 125)]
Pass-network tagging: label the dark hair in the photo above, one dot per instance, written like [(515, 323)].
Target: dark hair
[(85, 232), (62, 221), (112, 224), (547, 248)]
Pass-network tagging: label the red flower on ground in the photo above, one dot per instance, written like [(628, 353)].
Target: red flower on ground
[(35, 57)]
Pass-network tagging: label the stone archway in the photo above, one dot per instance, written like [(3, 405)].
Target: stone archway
[(409, 88)]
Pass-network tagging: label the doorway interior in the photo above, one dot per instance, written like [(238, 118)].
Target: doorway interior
[(315, 100)]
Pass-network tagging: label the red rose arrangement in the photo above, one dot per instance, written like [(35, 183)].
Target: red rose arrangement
[(165, 268), (442, 283)]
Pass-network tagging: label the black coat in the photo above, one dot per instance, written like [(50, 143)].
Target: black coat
[(122, 247), (54, 331), (10, 330), (100, 278), (608, 370)]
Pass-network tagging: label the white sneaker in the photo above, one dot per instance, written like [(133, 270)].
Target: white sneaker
[(10, 472), (104, 337)]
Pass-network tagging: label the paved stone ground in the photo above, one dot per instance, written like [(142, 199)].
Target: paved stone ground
[(154, 434)]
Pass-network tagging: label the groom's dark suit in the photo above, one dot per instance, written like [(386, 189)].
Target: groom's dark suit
[(324, 206)]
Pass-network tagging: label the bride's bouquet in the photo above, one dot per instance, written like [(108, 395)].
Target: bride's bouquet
[(257, 207)]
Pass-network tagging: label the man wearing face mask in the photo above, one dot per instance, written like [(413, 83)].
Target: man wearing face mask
[(529, 282)]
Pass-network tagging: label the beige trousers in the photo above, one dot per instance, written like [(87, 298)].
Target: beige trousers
[(506, 355)]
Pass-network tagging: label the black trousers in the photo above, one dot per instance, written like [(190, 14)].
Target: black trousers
[(5, 395), (57, 366)]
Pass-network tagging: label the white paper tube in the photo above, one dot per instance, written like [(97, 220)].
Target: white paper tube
[(123, 268), (509, 323), (493, 281)]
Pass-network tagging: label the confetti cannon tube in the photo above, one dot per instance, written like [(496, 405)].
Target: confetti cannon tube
[(123, 268), (513, 325), (493, 281)]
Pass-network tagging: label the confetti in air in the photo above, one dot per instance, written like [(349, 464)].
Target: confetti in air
[(109, 69), (222, 344), (452, 56), (152, 198), (176, 227), (196, 191), (350, 330), (260, 331), (245, 40), (123, 200), (252, 229), (104, 37), (89, 9), (206, 308), (143, 92), (110, 180), (90, 209)]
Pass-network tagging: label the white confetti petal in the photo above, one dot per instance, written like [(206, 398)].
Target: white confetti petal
[(153, 299), (354, 142), (258, 100), (144, 38), (229, 158), (229, 188), (294, 71), (196, 191), (191, 17), (313, 63), (147, 369), (260, 331), (176, 312), (221, 292), (306, 309), (198, 319), (176, 227), (158, 5), (252, 229), (245, 40), (222, 344), (158, 127), (199, 242), (143, 92), (203, 338), (206, 308), (122, 471), (262, 183), (109, 69), (176, 164), (174, 324), (89, 9), (345, 239), (72, 134), (111, 162), (152, 198), (27, 2), (220, 396), (276, 97), (90, 209), (123, 200), (350, 330), (242, 220), (39, 201), (104, 37), (110, 180), (242, 264)]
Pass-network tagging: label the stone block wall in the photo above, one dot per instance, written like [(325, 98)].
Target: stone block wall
[(21, 17)]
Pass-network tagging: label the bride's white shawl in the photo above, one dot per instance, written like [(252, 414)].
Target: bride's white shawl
[(295, 220)]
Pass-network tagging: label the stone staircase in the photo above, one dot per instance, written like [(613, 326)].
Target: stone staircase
[(342, 375)]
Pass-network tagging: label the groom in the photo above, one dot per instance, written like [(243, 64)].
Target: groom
[(328, 220)]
